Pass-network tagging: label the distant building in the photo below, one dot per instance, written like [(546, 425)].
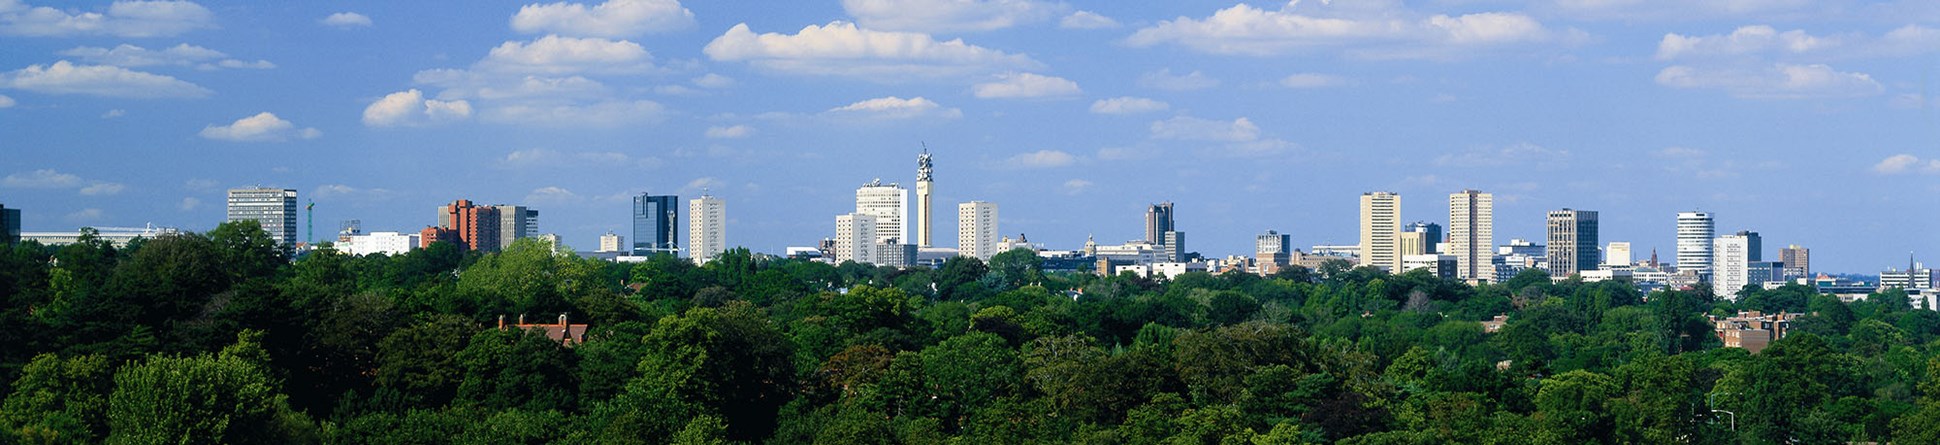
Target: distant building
[(1618, 254), (1158, 220), (117, 236), (1767, 273), (1752, 330), (1471, 233), (273, 208), (471, 227), (1272, 251), (1430, 233), (1731, 258), (894, 253), (1380, 228), (1442, 266), (612, 242), (1572, 242), (706, 228), (388, 243), (855, 238), (1798, 261), (9, 225), (567, 334), (1916, 277), (977, 229), (656, 225), (888, 204), (925, 187), (1695, 231), (1174, 247), (1413, 243), (1495, 324)]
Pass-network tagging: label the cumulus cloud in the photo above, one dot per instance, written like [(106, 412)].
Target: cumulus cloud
[(102, 189), (1127, 105), (132, 56), (614, 18), (1632, 10), (1187, 128), (948, 15), (1087, 20), (1026, 85), (1744, 40), (1513, 154), (410, 108), (893, 107), (842, 49), (65, 77), (609, 113), (114, 113), (712, 80), (263, 127), (734, 132), (86, 215), (1076, 186), (125, 18), (329, 191), (557, 55), (1246, 30), (6, 102), (188, 203), (1163, 79), (41, 179), (1779, 81), (1041, 159), (1906, 163), (551, 195), (347, 20)]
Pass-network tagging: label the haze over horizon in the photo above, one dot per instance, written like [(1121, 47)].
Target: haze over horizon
[(1805, 121)]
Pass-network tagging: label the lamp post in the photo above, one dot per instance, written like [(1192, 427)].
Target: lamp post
[(1711, 401)]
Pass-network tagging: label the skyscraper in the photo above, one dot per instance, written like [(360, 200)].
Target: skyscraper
[(855, 235), (1694, 233), (1572, 242), (471, 227), (1158, 220), (1431, 234), (1412, 243), (611, 242), (1273, 251), (516, 222), (706, 228), (1380, 226), (1618, 254), (656, 224), (977, 229), (1798, 261), (9, 225), (923, 191), (888, 204), (1730, 263), (1471, 234), (273, 208)]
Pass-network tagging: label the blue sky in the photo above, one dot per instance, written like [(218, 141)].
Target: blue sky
[(1805, 120)]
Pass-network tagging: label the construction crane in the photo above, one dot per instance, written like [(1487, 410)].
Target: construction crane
[(310, 214)]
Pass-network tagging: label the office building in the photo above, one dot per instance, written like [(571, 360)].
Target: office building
[(1471, 235), (1695, 231), (888, 203), (9, 225), (1763, 272), (924, 188), (706, 228), (471, 227), (1413, 243), (120, 237), (1731, 258), (1158, 220), (1798, 261), (1442, 266), (1572, 242), (855, 238), (977, 229), (656, 225), (1431, 235), (1272, 251), (388, 243), (612, 242), (1914, 277), (515, 222), (273, 208), (1174, 246), (1617, 255), (1380, 228)]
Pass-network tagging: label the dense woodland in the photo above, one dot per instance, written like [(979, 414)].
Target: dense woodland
[(220, 338)]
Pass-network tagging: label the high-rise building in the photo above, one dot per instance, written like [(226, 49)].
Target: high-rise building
[(516, 222), (656, 225), (1798, 261), (1731, 260), (1273, 251), (1412, 243), (1431, 234), (706, 228), (1471, 235), (1618, 254), (1380, 228), (855, 238), (1572, 242), (1158, 220), (977, 229), (888, 203), (9, 225), (923, 191), (1695, 231), (1174, 247), (612, 242), (273, 208), (471, 227)]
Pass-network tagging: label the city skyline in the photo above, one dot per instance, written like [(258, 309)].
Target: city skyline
[(1073, 115)]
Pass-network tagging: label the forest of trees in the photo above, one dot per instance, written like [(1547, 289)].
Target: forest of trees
[(220, 338)]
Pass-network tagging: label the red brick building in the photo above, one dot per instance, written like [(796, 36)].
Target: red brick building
[(472, 227)]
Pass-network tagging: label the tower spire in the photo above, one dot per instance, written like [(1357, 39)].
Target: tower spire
[(923, 192)]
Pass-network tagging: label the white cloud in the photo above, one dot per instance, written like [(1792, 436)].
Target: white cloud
[(408, 108), (1246, 30), (1906, 163), (551, 195), (347, 20), (1780, 81), (1127, 105), (703, 183), (712, 80), (1026, 85), (189, 203), (184, 54), (893, 107), (200, 184), (948, 15), (1513, 154), (1126, 153), (1744, 40), (1087, 20), (1076, 186), (598, 114), (6, 102), (734, 132), (102, 189), (41, 179), (125, 18), (1679, 153), (1680, 10), (842, 49), (1312, 80), (1164, 79), (462, 84), (64, 77), (614, 18), (1187, 128), (557, 55), (85, 215), (263, 127), (114, 113), (1041, 159)]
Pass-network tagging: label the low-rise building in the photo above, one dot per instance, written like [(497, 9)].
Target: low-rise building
[(1753, 330)]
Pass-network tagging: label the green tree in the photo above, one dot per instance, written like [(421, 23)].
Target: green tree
[(418, 366), (729, 361), (59, 401), (516, 368), (224, 398)]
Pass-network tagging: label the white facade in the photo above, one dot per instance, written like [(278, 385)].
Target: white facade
[(706, 228), (273, 208), (1618, 254), (612, 242), (388, 243), (1380, 230), (1433, 262), (855, 236), (1471, 235), (977, 229), (888, 204), (924, 190), (1731, 258), (1695, 231)]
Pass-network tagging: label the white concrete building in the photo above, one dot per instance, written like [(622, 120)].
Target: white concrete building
[(1731, 256), (855, 236), (1471, 235), (706, 228), (977, 229), (1618, 254), (273, 208), (388, 243), (612, 242), (1380, 230), (1695, 231), (888, 204)]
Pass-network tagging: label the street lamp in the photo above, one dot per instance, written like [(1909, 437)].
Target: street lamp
[(1711, 401)]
